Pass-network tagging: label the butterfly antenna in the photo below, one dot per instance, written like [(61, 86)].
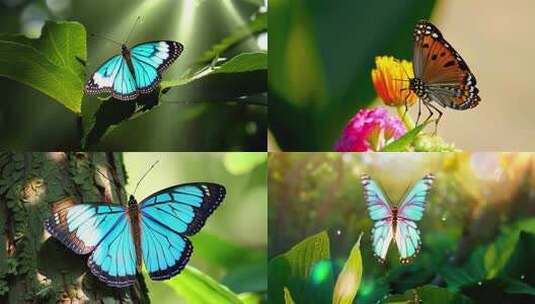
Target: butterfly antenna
[(138, 19), (104, 175), (105, 38), (139, 182)]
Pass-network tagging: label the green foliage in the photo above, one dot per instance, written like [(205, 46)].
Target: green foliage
[(305, 270), (475, 247), (319, 80), (405, 141), (237, 163), (196, 287), (52, 64), (258, 24), (429, 294)]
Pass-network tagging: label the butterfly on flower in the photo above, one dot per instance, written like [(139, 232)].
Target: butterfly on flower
[(441, 76), (153, 232), (135, 71), (397, 223)]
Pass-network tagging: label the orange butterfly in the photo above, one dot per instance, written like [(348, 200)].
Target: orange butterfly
[(440, 74)]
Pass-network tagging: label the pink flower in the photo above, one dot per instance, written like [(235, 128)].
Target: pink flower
[(370, 130)]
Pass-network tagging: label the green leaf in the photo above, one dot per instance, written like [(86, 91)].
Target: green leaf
[(196, 287), (251, 298), (500, 253), (243, 163), (288, 297), (258, 24), (305, 270), (349, 279), (405, 141), (52, 64), (242, 63), (519, 287), (429, 294)]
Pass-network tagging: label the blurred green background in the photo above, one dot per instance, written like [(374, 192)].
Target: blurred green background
[(478, 229), (231, 248), (321, 56), (190, 119)]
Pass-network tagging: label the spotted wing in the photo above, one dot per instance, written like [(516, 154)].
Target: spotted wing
[(447, 78), (170, 215)]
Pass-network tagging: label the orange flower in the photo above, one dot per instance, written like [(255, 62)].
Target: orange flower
[(391, 81)]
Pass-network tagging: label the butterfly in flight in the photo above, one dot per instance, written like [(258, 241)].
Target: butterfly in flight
[(397, 223), (440, 74), (135, 71), (153, 232)]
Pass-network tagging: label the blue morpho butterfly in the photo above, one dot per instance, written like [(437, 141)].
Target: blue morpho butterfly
[(396, 223), (135, 71), (154, 231)]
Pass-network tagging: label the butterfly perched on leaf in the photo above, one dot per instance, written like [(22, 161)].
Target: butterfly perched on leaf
[(154, 232), (135, 71), (396, 223), (441, 76)]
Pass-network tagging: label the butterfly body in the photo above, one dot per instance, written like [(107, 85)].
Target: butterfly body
[(441, 76), (396, 224), (152, 233), (135, 71)]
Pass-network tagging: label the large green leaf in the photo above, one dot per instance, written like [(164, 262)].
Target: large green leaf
[(305, 270), (52, 64), (197, 287), (348, 281)]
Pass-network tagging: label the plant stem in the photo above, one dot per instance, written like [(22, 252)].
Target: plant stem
[(404, 115)]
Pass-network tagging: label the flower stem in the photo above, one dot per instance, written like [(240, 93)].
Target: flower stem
[(404, 115)]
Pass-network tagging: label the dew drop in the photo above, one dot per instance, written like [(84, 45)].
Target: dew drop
[(522, 277), (338, 232), (479, 283)]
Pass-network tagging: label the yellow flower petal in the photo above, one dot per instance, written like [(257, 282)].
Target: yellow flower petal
[(391, 81)]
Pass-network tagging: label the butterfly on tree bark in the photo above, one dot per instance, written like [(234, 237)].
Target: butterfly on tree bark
[(441, 76), (120, 239)]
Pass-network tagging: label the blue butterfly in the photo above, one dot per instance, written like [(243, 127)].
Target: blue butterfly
[(153, 232), (396, 223), (135, 71)]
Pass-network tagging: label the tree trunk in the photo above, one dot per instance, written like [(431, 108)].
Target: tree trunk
[(34, 267)]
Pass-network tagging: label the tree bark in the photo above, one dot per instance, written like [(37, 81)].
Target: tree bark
[(34, 267)]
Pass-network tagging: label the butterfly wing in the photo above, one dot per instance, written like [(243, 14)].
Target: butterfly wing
[(413, 204), (150, 59), (103, 79), (113, 77), (114, 259), (81, 227), (99, 228), (381, 213), (411, 210), (407, 239), (447, 77), (167, 217)]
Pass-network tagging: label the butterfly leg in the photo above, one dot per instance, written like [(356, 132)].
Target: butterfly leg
[(419, 111), (428, 107), (438, 119)]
